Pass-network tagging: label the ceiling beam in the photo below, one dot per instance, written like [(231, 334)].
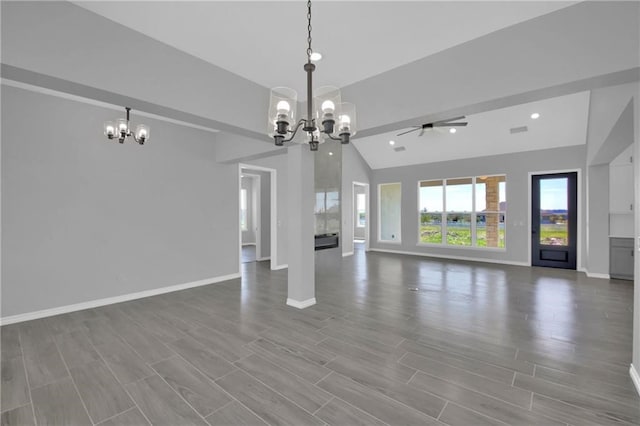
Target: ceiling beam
[(66, 48)]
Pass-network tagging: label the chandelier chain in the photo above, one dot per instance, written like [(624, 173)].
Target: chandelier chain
[(309, 51)]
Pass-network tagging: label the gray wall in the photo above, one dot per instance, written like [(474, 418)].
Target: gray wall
[(84, 218), (233, 148), (64, 41), (515, 166), (598, 219)]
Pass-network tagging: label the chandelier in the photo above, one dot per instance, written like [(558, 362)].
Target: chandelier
[(121, 130), (330, 118)]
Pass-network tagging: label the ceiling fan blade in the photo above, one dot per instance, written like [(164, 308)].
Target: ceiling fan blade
[(409, 131), (462, 117), (449, 124)]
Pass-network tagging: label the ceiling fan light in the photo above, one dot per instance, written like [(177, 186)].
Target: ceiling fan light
[(535, 115), (452, 130)]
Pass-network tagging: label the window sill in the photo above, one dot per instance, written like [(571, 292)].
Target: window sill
[(446, 246), (396, 242)]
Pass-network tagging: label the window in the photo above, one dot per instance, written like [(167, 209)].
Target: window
[(243, 210), (467, 212), (431, 208), (361, 210), (389, 203), (459, 206)]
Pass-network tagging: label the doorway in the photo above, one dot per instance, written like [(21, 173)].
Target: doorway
[(554, 220), (360, 215), (250, 223), (257, 212)]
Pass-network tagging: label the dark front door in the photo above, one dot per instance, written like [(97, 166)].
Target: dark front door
[(554, 217)]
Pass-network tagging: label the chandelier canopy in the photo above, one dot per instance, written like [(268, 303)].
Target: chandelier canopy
[(327, 116)]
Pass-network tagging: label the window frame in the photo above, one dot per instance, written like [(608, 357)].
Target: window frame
[(244, 196), (364, 210), (473, 213), (379, 236)]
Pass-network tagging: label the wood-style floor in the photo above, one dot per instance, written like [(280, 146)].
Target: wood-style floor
[(248, 253), (476, 344)]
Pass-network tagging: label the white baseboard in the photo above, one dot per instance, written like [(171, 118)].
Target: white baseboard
[(303, 304), (111, 300), (596, 275), (350, 253), (635, 377), (263, 259), (443, 256), (278, 267)]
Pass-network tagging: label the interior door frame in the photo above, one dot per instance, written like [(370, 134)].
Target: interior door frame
[(256, 212), (579, 210), (273, 207), (367, 214)]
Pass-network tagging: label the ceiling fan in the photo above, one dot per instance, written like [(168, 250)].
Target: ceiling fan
[(451, 122)]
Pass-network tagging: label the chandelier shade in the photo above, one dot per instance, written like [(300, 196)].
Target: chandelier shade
[(347, 122), (142, 132), (327, 104), (121, 130), (109, 129), (283, 104)]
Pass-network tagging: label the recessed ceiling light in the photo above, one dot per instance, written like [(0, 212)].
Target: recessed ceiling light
[(453, 130), (392, 143), (316, 56), (330, 153), (535, 115)]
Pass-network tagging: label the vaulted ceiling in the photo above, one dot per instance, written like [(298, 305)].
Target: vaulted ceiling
[(403, 63), (265, 41), (562, 122)]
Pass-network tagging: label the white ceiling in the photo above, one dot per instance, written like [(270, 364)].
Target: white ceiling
[(562, 122), (265, 41)]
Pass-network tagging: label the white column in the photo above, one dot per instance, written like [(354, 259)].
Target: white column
[(300, 218)]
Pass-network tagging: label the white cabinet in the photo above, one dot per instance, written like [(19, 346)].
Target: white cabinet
[(621, 188)]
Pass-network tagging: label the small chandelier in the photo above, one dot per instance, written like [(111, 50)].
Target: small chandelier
[(121, 130), (337, 119)]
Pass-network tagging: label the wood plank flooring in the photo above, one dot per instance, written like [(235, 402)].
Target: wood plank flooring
[(477, 344)]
